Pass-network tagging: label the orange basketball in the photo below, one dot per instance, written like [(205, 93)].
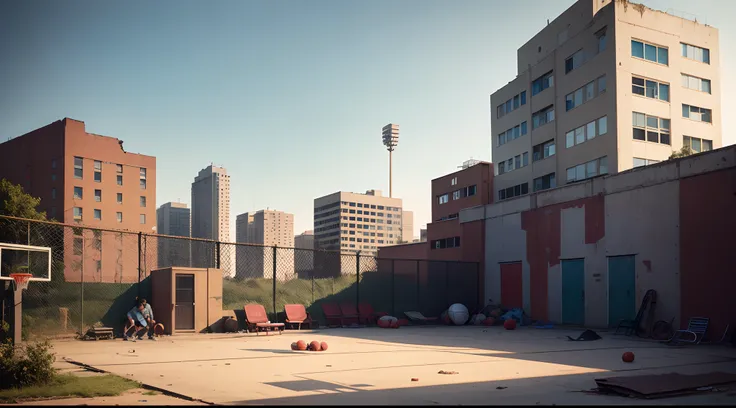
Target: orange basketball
[(301, 345), (158, 329), (509, 324), (628, 357), (323, 346), (293, 346), (314, 346)]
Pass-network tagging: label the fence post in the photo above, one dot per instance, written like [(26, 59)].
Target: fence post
[(140, 248), (447, 283), (217, 255), (419, 303), (275, 315), (357, 280), (393, 288), (81, 292)]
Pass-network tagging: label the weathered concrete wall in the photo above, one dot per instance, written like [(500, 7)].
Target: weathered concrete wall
[(676, 218)]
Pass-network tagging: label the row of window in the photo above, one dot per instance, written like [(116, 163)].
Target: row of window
[(650, 88), (517, 162), (373, 220), (543, 116), (371, 206), (643, 162), (587, 170), (457, 194), (545, 182), (79, 195), (695, 83), (543, 82), (368, 240), (697, 145), (586, 132), (511, 105), (660, 55), (651, 128), (512, 134), (452, 242), (585, 93), (514, 191), (696, 113), (79, 172), (78, 215), (543, 150), (366, 212), (362, 226)]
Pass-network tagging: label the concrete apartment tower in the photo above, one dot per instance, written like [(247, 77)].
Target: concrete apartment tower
[(211, 217), (173, 219), (353, 222), (607, 86), (90, 180), (265, 229), (304, 254)]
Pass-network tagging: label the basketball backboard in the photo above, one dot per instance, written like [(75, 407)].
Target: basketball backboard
[(16, 258)]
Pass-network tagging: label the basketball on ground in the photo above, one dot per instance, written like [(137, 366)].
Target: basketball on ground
[(158, 329), (314, 346), (301, 345), (628, 357), (323, 346), (509, 324), (293, 346)]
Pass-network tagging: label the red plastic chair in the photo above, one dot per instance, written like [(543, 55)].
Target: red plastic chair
[(368, 315), (257, 319)]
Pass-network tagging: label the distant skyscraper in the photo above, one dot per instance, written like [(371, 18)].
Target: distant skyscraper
[(173, 219), (304, 254), (211, 217), (266, 229)]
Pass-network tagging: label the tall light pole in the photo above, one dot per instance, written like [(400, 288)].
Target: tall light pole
[(390, 134)]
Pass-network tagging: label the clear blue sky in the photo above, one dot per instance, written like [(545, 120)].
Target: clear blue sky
[(289, 96)]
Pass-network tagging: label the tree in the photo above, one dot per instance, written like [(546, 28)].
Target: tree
[(17, 203), (684, 152)]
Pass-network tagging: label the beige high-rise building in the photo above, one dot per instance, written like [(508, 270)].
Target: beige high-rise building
[(304, 254), (407, 226), (353, 222), (211, 217), (607, 86), (266, 229)]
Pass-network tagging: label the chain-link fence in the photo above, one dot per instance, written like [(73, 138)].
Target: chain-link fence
[(96, 275)]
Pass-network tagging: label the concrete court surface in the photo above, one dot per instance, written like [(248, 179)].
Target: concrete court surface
[(376, 366)]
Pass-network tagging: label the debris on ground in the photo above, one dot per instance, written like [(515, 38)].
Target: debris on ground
[(447, 372), (415, 379), (663, 385), (501, 388), (588, 335)]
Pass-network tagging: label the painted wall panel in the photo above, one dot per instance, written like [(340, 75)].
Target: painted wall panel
[(506, 244), (511, 285)]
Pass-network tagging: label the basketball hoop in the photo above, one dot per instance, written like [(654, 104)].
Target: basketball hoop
[(21, 280)]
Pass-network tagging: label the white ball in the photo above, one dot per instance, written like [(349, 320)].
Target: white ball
[(458, 314)]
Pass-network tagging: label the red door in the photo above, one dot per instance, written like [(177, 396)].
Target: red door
[(511, 286)]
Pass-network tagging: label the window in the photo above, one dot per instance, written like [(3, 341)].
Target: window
[(543, 116), (512, 134), (143, 201), (119, 168), (697, 145), (452, 242), (456, 195), (543, 82), (545, 182), (585, 93), (143, 173), (98, 214), (650, 89), (601, 34), (574, 61), (515, 102), (643, 162), (444, 198), (649, 52), (53, 194), (453, 181), (120, 198), (586, 132), (515, 191), (543, 150), (471, 190), (120, 179), (695, 83), (77, 213), (78, 193), (501, 168), (696, 113), (98, 165), (119, 216), (587, 170), (651, 128), (53, 177), (143, 218), (143, 184), (98, 195), (695, 53), (78, 167), (78, 244)]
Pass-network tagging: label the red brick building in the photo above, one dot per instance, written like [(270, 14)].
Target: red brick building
[(92, 181), (447, 238)]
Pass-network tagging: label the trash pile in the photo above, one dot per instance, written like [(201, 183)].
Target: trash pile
[(491, 315)]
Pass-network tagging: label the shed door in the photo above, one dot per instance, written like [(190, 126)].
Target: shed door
[(184, 313)]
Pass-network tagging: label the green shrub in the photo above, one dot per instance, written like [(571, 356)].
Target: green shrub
[(26, 365)]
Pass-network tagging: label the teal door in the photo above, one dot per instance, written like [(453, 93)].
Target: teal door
[(573, 291), (621, 289)]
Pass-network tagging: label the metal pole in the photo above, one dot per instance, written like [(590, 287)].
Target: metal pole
[(81, 292), (390, 172), (447, 284), (393, 288), (218, 259), (275, 316), (357, 280), (419, 303), (140, 248)]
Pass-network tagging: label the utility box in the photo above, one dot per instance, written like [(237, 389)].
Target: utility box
[(187, 300)]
